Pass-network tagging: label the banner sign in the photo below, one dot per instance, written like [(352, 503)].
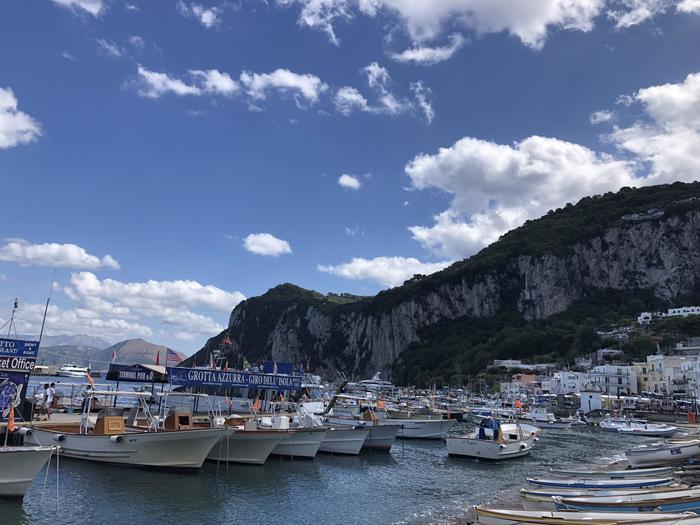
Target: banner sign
[(223, 379), (17, 355), (134, 374), (274, 367)]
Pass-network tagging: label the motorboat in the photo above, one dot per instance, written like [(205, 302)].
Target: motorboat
[(542, 499), (675, 501), (540, 417), (344, 440), (602, 484), (245, 445), (137, 439), (652, 456), (72, 370), (648, 430), (380, 437), (299, 443), (491, 516), (614, 474), (494, 442), (19, 466), (419, 428)]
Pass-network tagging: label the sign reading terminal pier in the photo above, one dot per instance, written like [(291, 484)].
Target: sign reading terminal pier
[(224, 379)]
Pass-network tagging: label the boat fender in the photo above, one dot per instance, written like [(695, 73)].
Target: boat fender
[(116, 439), (522, 446), (24, 431), (59, 437), (537, 439), (502, 446)]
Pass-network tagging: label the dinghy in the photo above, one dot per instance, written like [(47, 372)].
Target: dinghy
[(489, 516), (663, 455), (542, 499), (675, 501), (614, 474), (602, 484)]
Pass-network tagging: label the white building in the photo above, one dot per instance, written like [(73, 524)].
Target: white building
[(567, 383), (615, 380), (672, 373), (684, 311)]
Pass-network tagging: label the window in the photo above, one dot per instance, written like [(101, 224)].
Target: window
[(619, 380)]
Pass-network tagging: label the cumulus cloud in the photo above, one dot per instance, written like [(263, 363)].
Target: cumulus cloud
[(528, 20), (630, 13), (93, 7), (53, 254), (423, 97), (109, 48), (305, 88), (689, 6), (348, 99), (16, 127), (387, 271), (598, 117), (266, 244), (427, 56), (349, 181), (214, 81), (208, 17), (152, 84)]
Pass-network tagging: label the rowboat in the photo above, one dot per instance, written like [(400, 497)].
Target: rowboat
[(614, 474), (663, 455), (675, 501), (18, 467), (489, 516), (497, 442), (601, 483), (542, 499)]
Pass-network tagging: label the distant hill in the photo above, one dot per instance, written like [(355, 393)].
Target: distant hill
[(69, 340), (128, 352)]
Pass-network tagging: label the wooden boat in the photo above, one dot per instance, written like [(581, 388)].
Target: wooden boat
[(542, 499), (19, 466), (663, 455), (490, 516), (344, 440), (497, 442), (675, 501), (614, 474), (144, 442), (601, 483)]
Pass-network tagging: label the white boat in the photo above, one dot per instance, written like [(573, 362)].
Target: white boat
[(677, 501), (614, 474), (648, 430), (19, 466), (148, 442), (72, 370), (652, 456), (542, 499), (489, 516), (300, 443), (246, 446), (380, 437), (509, 440), (421, 428), (344, 440), (603, 484), (540, 417)]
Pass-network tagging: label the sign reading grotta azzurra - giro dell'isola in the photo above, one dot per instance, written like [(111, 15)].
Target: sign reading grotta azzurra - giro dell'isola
[(17, 361), (229, 379)]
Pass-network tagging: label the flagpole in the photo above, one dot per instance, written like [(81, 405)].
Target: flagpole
[(46, 309)]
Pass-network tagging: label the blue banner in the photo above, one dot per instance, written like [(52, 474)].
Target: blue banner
[(135, 374), (223, 379), (17, 355)]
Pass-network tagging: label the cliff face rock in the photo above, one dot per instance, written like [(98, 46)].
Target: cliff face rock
[(658, 251)]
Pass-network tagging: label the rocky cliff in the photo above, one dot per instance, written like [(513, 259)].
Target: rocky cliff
[(644, 239)]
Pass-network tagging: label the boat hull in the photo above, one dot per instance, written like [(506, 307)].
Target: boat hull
[(244, 446), (664, 455), (18, 468), (299, 443), (182, 449), (614, 474), (422, 428), (602, 484), (488, 516), (348, 441), (381, 436), (485, 449)]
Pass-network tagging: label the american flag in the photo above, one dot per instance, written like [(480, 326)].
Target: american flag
[(173, 357)]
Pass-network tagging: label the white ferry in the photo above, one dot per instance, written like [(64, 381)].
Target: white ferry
[(71, 370)]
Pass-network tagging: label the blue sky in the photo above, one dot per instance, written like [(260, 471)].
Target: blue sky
[(215, 149)]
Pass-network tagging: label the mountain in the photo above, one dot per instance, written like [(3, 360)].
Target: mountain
[(541, 291), (131, 351), (69, 340)]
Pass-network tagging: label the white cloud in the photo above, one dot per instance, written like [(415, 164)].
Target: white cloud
[(208, 17), (93, 7), (689, 6), (427, 56), (132, 7), (214, 81), (598, 117), (68, 56), (53, 254), (109, 48), (387, 271), (152, 84), (378, 78), (266, 244), (423, 95), (349, 181), (307, 87), (633, 12), (348, 99), (528, 20), (136, 41), (16, 127)]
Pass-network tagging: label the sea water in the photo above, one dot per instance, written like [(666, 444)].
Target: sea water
[(416, 483)]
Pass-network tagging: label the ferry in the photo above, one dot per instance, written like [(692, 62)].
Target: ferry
[(71, 370)]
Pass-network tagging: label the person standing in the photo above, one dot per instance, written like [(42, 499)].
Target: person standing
[(48, 399), (54, 399)]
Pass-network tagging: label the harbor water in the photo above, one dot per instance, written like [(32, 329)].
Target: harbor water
[(416, 483)]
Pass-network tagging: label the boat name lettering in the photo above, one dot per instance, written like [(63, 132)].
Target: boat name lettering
[(17, 363), (223, 378)]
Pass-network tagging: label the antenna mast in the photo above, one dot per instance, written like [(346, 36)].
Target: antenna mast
[(48, 299)]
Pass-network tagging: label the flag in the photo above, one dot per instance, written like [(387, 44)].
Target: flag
[(172, 357), (114, 356), (11, 419), (274, 367), (158, 358), (246, 364), (89, 378)]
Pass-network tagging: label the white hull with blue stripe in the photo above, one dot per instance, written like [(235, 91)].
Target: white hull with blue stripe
[(674, 501), (603, 484)]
